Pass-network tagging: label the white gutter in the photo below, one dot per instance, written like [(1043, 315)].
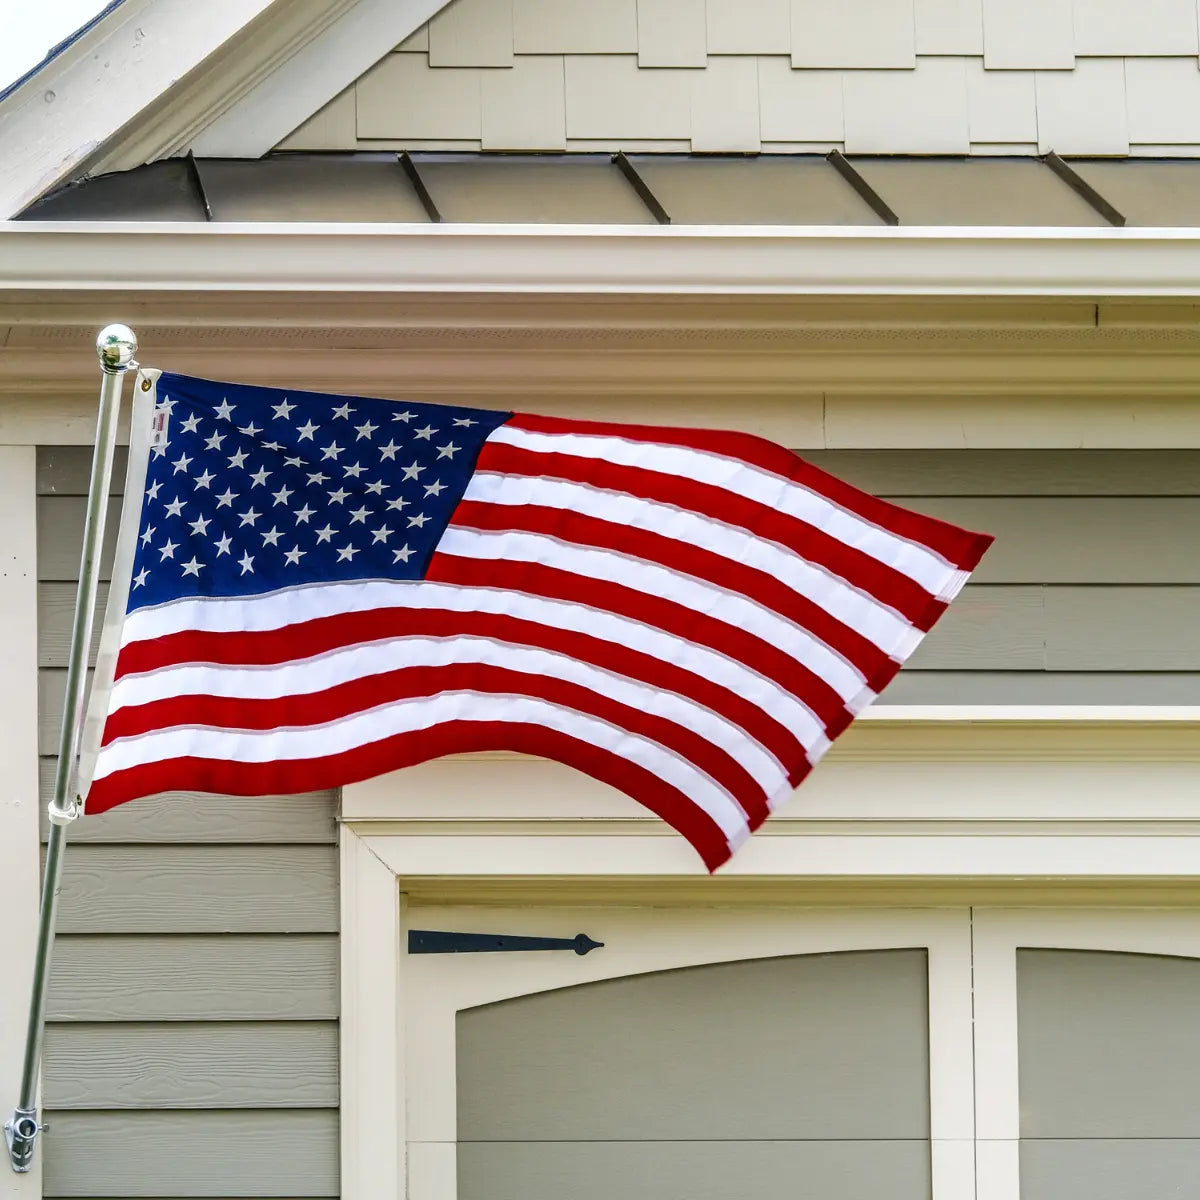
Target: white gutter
[(677, 260)]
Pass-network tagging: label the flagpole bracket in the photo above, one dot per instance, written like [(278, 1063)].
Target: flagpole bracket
[(20, 1136)]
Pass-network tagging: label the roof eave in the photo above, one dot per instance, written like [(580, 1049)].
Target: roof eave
[(599, 259)]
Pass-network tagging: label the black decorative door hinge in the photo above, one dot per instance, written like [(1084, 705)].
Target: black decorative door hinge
[(436, 941)]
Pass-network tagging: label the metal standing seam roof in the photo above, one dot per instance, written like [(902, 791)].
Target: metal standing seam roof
[(641, 189)]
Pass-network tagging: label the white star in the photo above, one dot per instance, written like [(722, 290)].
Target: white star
[(193, 567), (344, 411), (418, 521), (246, 562), (272, 445), (399, 503), (152, 490), (449, 450), (376, 488), (293, 462), (411, 472), (160, 450), (359, 515), (339, 496), (354, 471), (190, 424), (168, 550), (426, 433), (404, 416), (200, 526), (294, 555), (226, 499), (260, 477), (139, 580), (307, 430), (238, 458), (214, 442), (403, 554), (271, 536), (464, 422), (365, 430), (204, 479), (225, 410), (281, 496), (175, 508), (282, 410), (250, 430), (166, 404), (318, 477), (332, 451), (347, 553), (181, 464), (302, 514), (148, 535), (381, 535), (388, 451), (250, 516), (435, 489), (323, 535), (223, 544)]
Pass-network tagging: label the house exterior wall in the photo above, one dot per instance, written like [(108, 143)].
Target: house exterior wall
[(1093, 77)]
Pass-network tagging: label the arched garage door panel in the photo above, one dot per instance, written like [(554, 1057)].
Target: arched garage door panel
[(1109, 1059), (789, 1077)]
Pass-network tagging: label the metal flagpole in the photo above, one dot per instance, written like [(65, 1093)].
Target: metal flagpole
[(116, 345)]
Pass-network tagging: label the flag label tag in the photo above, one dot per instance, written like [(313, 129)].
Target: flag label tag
[(158, 434)]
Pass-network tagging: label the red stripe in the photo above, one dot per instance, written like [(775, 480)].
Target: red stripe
[(887, 585), (407, 749), (406, 683), (705, 565), (294, 642), (537, 579), (958, 546)]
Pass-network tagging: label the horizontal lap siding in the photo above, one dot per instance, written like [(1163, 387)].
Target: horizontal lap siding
[(191, 1048)]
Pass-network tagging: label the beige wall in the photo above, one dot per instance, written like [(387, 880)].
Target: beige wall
[(1101, 77)]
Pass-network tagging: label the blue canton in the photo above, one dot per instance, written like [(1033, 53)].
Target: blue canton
[(251, 489)]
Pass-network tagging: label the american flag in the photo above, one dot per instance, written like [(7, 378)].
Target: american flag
[(317, 589)]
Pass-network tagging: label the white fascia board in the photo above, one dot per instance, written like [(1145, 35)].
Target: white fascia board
[(589, 259), (311, 78), (79, 100)]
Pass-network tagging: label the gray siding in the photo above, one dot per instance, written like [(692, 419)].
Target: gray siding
[(191, 1048)]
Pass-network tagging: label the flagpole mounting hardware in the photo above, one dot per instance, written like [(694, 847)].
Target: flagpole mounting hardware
[(20, 1135), (437, 941)]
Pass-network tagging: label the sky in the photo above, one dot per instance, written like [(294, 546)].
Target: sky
[(31, 27)]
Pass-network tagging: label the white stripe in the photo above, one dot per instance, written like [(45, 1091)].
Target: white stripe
[(274, 610), (363, 660), (878, 623), (653, 580), (917, 561), (407, 716)]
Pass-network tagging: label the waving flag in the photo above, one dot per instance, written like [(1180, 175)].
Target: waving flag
[(312, 590)]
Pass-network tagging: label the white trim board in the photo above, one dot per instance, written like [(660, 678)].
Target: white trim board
[(303, 85), (383, 259), (154, 75), (19, 765)]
